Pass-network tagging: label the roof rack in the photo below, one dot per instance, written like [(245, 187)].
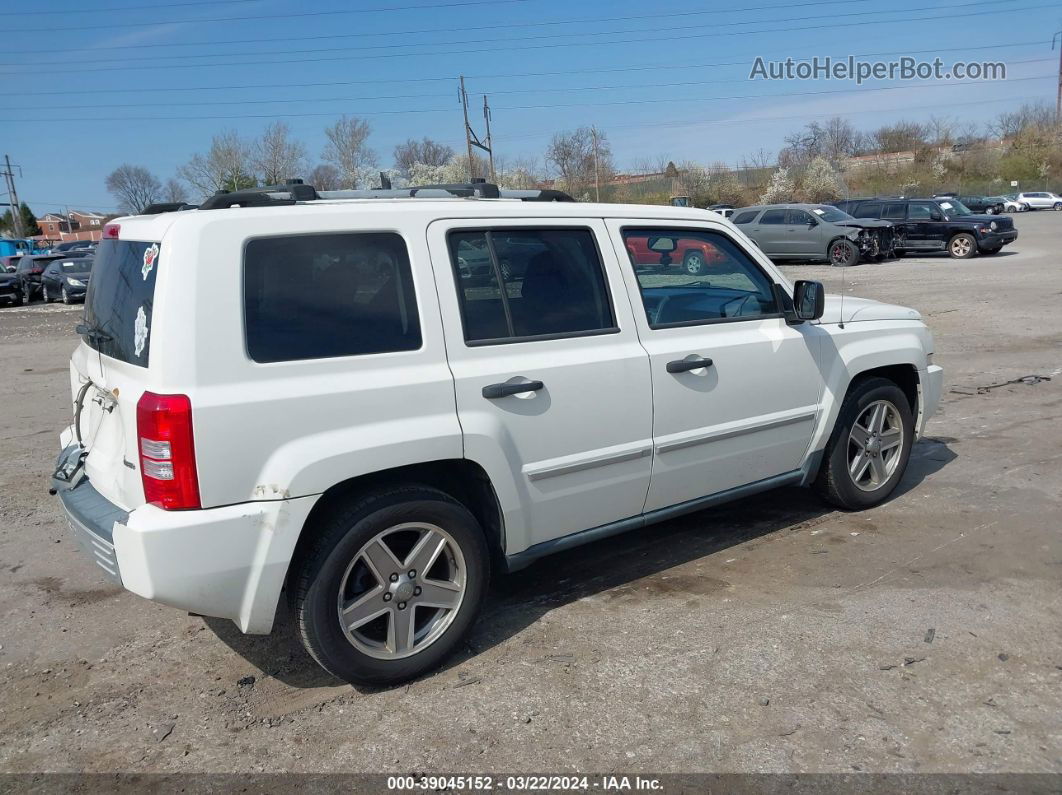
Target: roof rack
[(295, 191), (166, 207)]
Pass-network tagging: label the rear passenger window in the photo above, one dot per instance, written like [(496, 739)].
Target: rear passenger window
[(773, 217), (514, 284), (320, 296), (895, 212), (868, 211), (745, 217)]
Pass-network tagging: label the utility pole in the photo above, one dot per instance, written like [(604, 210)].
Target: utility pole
[(16, 208), (1058, 97), (597, 170), (490, 148), (471, 139)]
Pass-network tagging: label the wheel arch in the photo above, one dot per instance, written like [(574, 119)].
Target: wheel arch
[(460, 478)]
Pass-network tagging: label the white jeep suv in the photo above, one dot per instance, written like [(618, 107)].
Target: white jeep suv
[(369, 403)]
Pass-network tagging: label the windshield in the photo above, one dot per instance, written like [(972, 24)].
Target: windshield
[(954, 208), (77, 266), (831, 214)]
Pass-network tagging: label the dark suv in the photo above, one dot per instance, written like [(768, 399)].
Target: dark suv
[(944, 224)]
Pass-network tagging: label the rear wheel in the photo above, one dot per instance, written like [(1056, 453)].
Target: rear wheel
[(391, 586), (870, 446), (962, 246), (843, 253)]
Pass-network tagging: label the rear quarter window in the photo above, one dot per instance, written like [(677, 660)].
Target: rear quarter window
[(120, 299), (328, 295)]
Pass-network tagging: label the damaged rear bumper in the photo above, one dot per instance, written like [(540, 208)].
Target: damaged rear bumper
[(228, 562)]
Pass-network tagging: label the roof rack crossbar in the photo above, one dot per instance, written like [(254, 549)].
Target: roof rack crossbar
[(295, 191)]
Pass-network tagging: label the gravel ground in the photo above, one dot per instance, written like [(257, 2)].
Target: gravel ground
[(774, 634)]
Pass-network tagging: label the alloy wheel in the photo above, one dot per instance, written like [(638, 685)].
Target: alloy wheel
[(961, 246), (694, 263), (402, 590), (874, 445)]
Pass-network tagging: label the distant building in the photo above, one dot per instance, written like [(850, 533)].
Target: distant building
[(78, 225)]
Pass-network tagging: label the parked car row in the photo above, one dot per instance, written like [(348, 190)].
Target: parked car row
[(51, 277), (1010, 203), (871, 229)]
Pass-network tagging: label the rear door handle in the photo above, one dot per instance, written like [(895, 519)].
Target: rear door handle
[(685, 365), (495, 391)]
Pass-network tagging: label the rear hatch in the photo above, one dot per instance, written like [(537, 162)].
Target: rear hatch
[(110, 366)]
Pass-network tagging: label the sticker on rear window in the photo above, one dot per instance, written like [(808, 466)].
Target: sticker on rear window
[(140, 329), (151, 254)]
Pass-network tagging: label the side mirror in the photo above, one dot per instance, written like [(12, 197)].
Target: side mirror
[(809, 300), (812, 223), (936, 217)]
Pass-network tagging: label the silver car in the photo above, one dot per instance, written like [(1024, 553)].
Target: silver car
[(816, 232)]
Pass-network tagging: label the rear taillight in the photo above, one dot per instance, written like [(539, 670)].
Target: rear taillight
[(167, 451), (112, 230)]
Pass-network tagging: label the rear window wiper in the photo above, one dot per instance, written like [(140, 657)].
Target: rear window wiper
[(93, 333)]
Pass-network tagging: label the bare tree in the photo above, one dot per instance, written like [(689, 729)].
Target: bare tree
[(425, 151), (347, 150), (325, 177), (226, 166), (834, 139), (572, 155), (134, 186), (174, 192), (276, 156), (902, 136)]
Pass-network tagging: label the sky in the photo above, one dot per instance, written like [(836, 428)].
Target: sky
[(87, 86)]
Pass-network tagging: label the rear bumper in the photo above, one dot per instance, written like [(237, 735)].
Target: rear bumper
[(228, 562)]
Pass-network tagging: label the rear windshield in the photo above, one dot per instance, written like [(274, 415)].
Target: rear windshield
[(120, 297)]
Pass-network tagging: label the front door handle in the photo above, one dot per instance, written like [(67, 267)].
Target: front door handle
[(685, 365), (495, 391)]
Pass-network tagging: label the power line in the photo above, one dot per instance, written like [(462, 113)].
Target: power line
[(463, 28), (545, 105), (606, 70), (112, 25), (66, 11), (550, 90), (580, 35), (509, 49)]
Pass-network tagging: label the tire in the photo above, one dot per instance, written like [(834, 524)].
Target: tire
[(835, 481), (336, 568), (842, 253), (66, 296), (990, 211), (962, 246), (1058, 207), (44, 293), (694, 263)]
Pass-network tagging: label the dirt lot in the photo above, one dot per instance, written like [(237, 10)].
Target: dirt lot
[(770, 635)]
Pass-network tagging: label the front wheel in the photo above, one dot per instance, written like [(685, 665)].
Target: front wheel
[(44, 293), (1058, 207), (391, 586), (869, 448), (962, 246), (66, 296), (694, 263), (843, 253)]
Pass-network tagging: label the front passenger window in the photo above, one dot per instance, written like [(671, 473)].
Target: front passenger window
[(688, 277)]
